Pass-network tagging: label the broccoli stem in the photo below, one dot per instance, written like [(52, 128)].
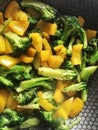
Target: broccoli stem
[(6, 82), (36, 82), (87, 72), (84, 38), (59, 74), (31, 122), (4, 26), (84, 95), (75, 87), (93, 59)]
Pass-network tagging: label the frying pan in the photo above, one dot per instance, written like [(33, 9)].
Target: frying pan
[(88, 9)]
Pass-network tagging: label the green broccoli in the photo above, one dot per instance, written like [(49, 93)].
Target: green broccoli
[(19, 44), (10, 118), (70, 27), (58, 124), (87, 72), (34, 82), (26, 96), (60, 74), (76, 87), (47, 12), (13, 120), (92, 51)]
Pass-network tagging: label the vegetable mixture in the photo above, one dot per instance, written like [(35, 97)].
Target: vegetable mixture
[(46, 60)]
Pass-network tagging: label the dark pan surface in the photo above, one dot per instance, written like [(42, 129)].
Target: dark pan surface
[(89, 10)]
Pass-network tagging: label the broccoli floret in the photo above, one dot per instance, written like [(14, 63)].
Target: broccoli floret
[(92, 51), (34, 82), (10, 118), (26, 96), (60, 74), (19, 44), (47, 12), (69, 27)]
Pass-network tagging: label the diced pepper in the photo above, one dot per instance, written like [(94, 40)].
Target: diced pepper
[(77, 107), (31, 51), (8, 46), (58, 96), (11, 102), (26, 59), (8, 61), (81, 21), (46, 105), (11, 9), (67, 105), (76, 54), (3, 99), (2, 44), (60, 113), (1, 17), (47, 46), (55, 61), (36, 41), (91, 33), (49, 28), (19, 27), (44, 54)]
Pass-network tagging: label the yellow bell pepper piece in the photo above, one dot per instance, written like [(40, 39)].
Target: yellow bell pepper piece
[(36, 41), (77, 107), (19, 27), (2, 44), (49, 28), (46, 45), (3, 99), (58, 96), (1, 17), (60, 113), (31, 51), (11, 102), (76, 54), (26, 59), (67, 105), (44, 54), (11, 9), (8, 46), (55, 61), (45, 104), (8, 61)]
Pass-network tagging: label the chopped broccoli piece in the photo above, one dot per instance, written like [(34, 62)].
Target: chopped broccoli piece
[(58, 124), (29, 123), (34, 82), (6, 82), (59, 74), (92, 51), (46, 11), (75, 87), (10, 118), (19, 44), (87, 72), (26, 96)]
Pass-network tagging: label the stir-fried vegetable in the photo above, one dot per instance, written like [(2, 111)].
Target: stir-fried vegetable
[(46, 61)]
